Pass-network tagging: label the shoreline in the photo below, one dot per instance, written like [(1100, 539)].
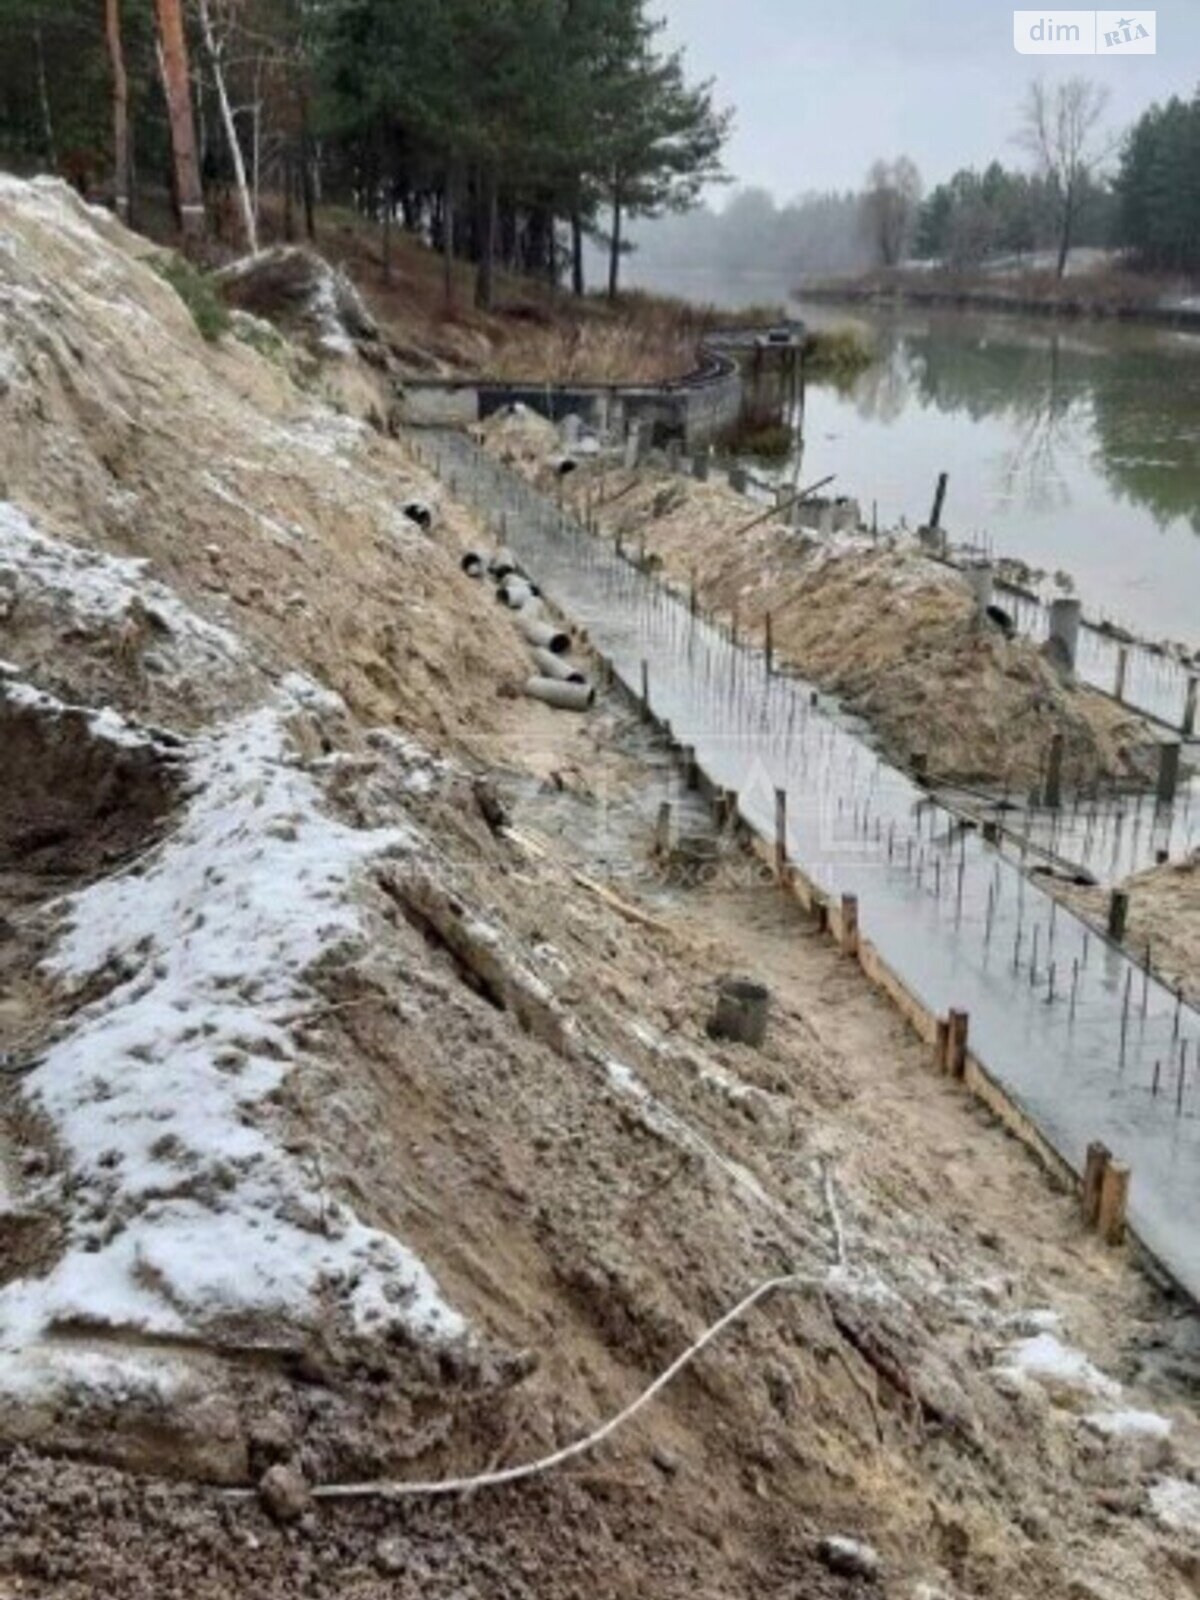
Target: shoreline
[(1071, 307)]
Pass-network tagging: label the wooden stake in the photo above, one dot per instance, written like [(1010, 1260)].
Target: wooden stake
[(956, 1044), (1098, 1158), (1114, 1203), (780, 833), (849, 924)]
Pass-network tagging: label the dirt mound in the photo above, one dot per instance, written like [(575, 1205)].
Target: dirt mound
[(1163, 921), (890, 631), (518, 435), (82, 789), (299, 292)]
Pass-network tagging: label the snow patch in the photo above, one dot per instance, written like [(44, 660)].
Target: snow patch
[(105, 724), (1176, 1505), (1044, 1359), (186, 1217), (98, 590), (1128, 1424)]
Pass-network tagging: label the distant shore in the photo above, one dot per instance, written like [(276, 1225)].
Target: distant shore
[(1120, 297)]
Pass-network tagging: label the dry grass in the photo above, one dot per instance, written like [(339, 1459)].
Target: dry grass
[(535, 333)]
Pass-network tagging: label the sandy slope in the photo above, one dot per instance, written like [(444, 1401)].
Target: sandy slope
[(346, 1126)]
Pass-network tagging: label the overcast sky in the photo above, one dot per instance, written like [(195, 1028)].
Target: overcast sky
[(820, 90)]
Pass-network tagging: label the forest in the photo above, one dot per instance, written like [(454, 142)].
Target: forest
[(505, 132)]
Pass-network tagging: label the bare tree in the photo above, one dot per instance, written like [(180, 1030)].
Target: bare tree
[(122, 170), (215, 47), (173, 62), (1060, 127), (890, 203)]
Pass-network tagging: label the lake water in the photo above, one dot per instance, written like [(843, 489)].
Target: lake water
[(1072, 445)]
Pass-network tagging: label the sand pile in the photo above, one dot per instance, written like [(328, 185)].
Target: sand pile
[(519, 436), (1164, 918), (890, 631)]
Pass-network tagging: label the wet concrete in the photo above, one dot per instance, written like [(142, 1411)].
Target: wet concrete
[(1078, 1034)]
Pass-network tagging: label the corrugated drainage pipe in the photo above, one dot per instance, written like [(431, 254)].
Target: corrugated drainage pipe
[(551, 666), (473, 564), (543, 635), (562, 696)]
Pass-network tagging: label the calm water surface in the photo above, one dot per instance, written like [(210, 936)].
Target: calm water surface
[(1074, 446)]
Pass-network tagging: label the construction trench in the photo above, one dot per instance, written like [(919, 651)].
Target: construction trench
[(1078, 1048)]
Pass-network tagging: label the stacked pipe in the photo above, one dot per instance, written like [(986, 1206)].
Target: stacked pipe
[(555, 682)]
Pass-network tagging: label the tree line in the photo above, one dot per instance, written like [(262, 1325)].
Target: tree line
[(505, 132), (1139, 194)]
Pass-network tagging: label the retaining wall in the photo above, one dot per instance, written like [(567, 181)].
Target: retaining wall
[(695, 409)]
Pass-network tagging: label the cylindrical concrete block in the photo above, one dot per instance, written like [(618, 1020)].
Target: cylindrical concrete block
[(981, 580), (1168, 773), (741, 1013), (1052, 794), (1064, 631)]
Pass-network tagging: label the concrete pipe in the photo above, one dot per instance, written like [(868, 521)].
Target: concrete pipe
[(741, 1012), (562, 696), (551, 666), (502, 563), (473, 564), (516, 593), (543, 635), (420, 512)]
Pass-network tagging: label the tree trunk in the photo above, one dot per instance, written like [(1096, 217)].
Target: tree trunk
[(249, 223), (485, 273), (289, 216), (614, 259), (448, 239), (122, 182), (307, 190), (551, 257), (1068, 226), (387, 232), (44, 101), (577, 284), (176, 86)]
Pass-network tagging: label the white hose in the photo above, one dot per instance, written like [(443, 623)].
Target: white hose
[(385, 1489)]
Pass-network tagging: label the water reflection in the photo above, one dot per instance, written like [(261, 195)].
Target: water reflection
[(1071, 446)]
